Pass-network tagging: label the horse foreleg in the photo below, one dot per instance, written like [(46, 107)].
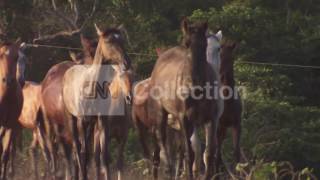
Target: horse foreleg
[(96, 149), (189, 157), (6, 143), (156, 159), (105, 152), (196, 147), (83, 127), (236, 133), (76, 145), (121, 146), (208, 155), (221, 135)]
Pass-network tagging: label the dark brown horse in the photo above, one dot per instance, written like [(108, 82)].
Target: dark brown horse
[(231, 116), (11, 100), (180, 74)]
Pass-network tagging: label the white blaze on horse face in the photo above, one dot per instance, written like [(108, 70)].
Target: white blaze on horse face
[(213, 52)]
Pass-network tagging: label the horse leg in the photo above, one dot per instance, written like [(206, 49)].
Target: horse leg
[(104, 145), (236, 133), (208, 155), (121, 145), (96, 149), (45, 141), (6, 143), (161, 135), (179, 164), (12, 157), (33, 154), (156, 159), (83, 127), (196, 147), (75, 124), (67, 153), (221, 135), (189, 155)]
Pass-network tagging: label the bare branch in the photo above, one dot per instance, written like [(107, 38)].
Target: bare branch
[(70, 23), (54, 5), (93, 10), (55, 36)]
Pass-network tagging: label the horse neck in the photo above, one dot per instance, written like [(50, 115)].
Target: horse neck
[(228, 81), (198, 61), (94, 71)]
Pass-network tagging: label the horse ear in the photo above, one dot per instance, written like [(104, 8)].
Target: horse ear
[(219, 35), (85, 42), (185, 26), (73, 56), (99, 32)]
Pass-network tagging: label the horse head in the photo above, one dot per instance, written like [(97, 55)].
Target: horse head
[(9, 53), (194, 34), (111, 47), (122, 83)]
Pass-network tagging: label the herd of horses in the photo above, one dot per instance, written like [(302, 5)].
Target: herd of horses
[(48, 108)]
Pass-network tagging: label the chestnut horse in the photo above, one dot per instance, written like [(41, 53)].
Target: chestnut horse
[(31, 117), (11, 101), (181, 74), (65, 124), (231, 116)]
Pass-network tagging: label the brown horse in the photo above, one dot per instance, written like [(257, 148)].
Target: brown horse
[(31, 117), (65, 124), (118, 125), (113, 125), (231, 116), (180, 74), (11, 100)]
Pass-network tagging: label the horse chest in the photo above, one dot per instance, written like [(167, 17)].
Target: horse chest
[(11, 108)]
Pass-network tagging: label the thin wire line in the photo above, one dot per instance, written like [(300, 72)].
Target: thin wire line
[(153, 55), (51, 46), (278, 64)]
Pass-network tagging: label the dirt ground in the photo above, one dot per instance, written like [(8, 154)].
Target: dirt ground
[(24, 169)]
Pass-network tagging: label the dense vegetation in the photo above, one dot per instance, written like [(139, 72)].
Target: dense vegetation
[(281, 118)]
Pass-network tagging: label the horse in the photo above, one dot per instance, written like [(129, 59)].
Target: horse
[(181, 74), (231, 116), (121, 81), (31, 118), (113, 125), (143, 123), (55, 100), (11, 101)]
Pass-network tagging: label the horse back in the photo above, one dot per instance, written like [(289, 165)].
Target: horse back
[(31, 104), (51, 92)]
